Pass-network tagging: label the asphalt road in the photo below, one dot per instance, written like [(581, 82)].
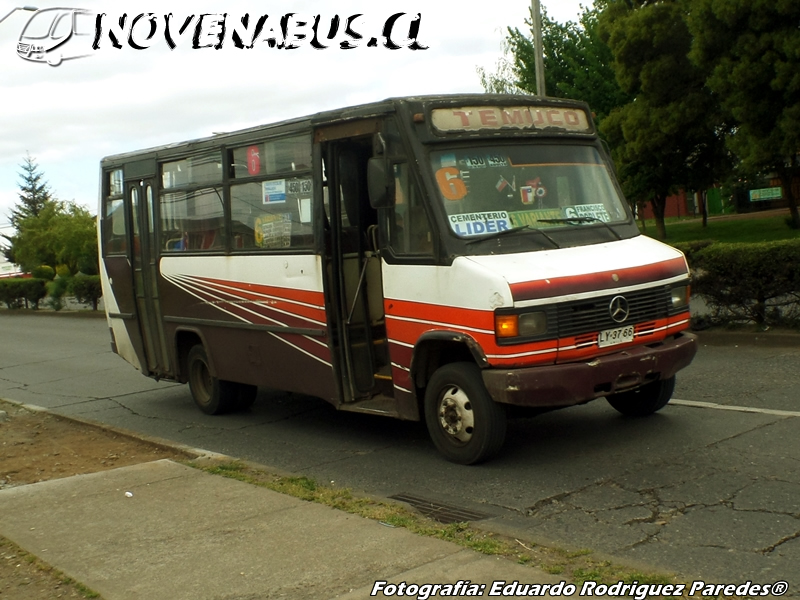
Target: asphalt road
[(709, 487)]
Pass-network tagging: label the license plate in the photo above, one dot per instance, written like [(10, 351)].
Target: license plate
[(612, 337)]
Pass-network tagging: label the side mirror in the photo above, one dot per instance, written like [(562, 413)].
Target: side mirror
[(380, 183)]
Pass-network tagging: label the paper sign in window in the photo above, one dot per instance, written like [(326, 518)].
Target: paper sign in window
[(304, 207), (472, 224), (274, 191), (274, 231)]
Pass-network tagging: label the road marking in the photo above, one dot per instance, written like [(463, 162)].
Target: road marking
[(746, 409)]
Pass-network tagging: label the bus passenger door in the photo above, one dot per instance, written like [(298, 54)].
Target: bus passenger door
[(141, 193), (353, 268)]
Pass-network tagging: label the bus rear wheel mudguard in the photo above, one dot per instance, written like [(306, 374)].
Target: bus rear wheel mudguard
[(213, 396), (465, 424)]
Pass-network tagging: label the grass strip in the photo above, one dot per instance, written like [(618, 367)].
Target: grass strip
[(9, 550), (579, 566), (741, 230)]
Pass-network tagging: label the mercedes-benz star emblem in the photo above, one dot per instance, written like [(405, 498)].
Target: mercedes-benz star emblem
[(618, 309)]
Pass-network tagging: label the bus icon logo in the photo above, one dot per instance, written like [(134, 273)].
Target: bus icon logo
[(53, 35)]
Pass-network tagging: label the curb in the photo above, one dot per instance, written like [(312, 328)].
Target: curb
[(75, 314), (191, 452), (724, 337), (488, 526)]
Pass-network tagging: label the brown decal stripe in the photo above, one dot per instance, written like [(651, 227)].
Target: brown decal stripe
[(249, 305), (311, 346), (605, 280), (289, 294), (282, 313)]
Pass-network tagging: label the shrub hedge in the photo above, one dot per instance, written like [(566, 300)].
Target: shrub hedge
[(86, 289), (44, 272), (748, 283), (18, 292)]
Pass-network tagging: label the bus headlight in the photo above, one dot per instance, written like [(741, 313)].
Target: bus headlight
[(522, 325), (680, 296), (533, 323)]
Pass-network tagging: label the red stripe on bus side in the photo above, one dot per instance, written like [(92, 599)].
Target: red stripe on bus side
[(314, 298), (308, 345), (271, 305), (450, 315), (401, 355), (589, 282), (403, 336), (458, 320), (513, 362), (401, 378)]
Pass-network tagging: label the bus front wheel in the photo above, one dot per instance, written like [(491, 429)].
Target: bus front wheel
[(645, 400), (465, 424), (213, 396)]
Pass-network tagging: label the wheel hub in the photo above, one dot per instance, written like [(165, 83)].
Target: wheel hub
[(455, 414), (202, 380)]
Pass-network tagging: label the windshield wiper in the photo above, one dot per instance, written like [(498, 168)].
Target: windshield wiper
[(502, 232), (583, 220)]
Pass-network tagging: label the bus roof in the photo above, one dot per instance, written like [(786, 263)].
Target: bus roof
[(413, 104)]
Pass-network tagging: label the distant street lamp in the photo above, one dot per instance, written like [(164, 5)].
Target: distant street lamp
[(13, 10), (538, 51)]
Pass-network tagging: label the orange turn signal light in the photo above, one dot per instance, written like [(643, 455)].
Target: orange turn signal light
[(506, 326)]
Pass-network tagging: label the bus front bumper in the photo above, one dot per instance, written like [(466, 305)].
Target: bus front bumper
[(575, 383)]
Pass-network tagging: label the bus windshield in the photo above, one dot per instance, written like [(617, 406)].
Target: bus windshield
[(487, 190)]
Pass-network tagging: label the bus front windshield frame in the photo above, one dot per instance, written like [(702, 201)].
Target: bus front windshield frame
[(489, 190)]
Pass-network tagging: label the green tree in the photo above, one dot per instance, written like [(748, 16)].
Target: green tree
[(34, 194), (48, 231), (34, 197), (577, 63), (32, 245), (668, 135), (75, 233), (751, 49), (62, 234)]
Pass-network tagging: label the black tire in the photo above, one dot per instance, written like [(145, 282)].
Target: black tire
[(213, 396), (247, 396), (465, 424), (645, 400)]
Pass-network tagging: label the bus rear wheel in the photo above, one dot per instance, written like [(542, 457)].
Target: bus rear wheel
[(246, 396), (645, 400), (465, 424), (213, 396)]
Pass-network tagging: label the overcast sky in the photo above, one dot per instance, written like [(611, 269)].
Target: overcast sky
[(117, 100)]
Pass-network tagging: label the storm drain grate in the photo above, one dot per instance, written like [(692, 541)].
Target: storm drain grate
[(444, 513)]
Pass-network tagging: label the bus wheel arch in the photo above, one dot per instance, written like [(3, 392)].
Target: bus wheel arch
[(185, 340), (438, 348)]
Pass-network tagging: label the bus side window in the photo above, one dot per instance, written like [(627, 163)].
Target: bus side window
[(409, 229), (272, 215), (114, 227), (193, 220), (114, 234)]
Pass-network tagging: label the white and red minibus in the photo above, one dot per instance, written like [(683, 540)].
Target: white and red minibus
[(452, 258)]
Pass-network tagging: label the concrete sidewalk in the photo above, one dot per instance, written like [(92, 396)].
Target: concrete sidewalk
[(162, 530)]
